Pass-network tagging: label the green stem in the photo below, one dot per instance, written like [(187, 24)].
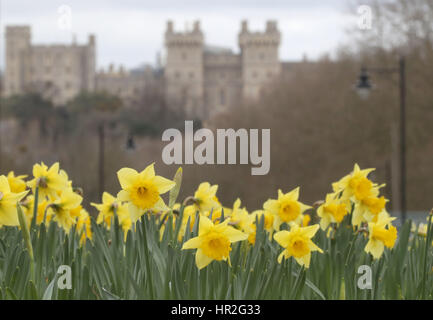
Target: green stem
[(35, 207), (425, 257), (27, 241)]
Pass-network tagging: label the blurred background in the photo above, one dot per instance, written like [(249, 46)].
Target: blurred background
[(94, 85)]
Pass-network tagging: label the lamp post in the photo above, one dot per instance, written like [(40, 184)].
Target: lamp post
[(0, 136), (130, 143), (363, 88), (101, 156)]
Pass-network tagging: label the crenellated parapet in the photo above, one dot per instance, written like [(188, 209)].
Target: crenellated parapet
[(193, 37), (271, 36)]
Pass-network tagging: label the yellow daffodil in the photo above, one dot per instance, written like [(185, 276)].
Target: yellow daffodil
[(238, 215), (63, 209), (205, 198), (381, 234), (189, 214), (306, 220), (286, 208), (28, 206), (333, 210), (297, 243), (8, 203), (107, 209), (373, 206), (356, 184), (16, 183), (75, 212), (269, 219), (213, 241), (142, 190), (84, 226), (50, 181), (125, 222), (250, 228), (363, 193)]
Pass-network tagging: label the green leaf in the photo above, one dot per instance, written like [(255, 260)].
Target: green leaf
[(107, 295), (49, 290)]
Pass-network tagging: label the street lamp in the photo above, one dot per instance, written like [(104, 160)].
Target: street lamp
[(130, 143), (363, 88), (0, 136)]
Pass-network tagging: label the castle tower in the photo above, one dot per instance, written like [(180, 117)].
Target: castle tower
[(17, 59), (89, 82), (260, 58), (184, 69)]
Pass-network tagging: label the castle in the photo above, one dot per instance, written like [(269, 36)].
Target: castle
[(59, 71), (202, 79)]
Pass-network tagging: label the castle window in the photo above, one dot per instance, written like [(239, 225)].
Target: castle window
[(222, 97)]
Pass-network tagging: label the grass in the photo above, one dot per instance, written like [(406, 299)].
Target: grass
[(147, 266)]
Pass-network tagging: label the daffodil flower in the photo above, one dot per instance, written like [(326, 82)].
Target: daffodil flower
[(354, 184), (333, 210), (297, 243), (107, 209), (16, 183), (49, 181), (286, 208), (213, 241), (205, 198), (142, 190), (84, 226), (63, 208), (8, 203), (381, 234)]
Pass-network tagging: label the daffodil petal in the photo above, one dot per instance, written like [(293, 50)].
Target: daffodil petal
[(205, 224), (282, 238), (201, 260), (192, 243), (108, 198), (149, 172), (281, 255), (126, 177), (4, 185), (234, 235), (310, 231), (123, 196), (162, 184)]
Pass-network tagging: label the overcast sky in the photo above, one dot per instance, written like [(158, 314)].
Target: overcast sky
[(130, 32)]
